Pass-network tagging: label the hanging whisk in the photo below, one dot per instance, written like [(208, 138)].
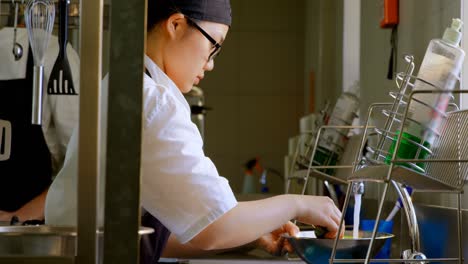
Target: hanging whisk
[(39, 16)]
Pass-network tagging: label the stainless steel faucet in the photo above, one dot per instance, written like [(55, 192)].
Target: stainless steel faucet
[(410, 212), (358, 188)]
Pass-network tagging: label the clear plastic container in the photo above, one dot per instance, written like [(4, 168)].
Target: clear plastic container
[(441, 67), (344, 112)]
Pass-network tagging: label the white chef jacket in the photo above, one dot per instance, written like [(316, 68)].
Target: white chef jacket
[(60, 112), (180, 185)]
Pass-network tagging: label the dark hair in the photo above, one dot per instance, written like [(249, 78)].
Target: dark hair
[(158, 13)]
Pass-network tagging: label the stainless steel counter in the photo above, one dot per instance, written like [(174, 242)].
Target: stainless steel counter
[(231, 261), (255, 256), (241, 261)]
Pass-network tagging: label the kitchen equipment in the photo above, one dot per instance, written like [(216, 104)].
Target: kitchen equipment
[(17, 48), (439, 69), (311, 159), (36, 241), (39, 16), (196, 99), (443, 169), (61, 80), (318, 250)]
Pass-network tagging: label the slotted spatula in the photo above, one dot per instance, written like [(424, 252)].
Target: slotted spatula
[(61, 81)]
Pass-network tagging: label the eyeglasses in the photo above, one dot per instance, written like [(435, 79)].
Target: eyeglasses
[(216, 45)]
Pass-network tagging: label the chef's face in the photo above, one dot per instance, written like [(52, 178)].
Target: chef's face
[(188, 53)]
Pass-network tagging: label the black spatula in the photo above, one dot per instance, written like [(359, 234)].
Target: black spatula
[(60, 80)]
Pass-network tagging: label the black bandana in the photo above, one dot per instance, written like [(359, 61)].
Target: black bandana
[(218, 11)]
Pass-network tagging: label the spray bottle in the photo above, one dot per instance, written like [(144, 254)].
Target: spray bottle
[(250, 182)]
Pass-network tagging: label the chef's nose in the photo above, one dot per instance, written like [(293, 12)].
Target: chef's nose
[(209, 65)]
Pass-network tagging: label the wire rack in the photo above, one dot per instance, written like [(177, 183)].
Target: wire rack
[(438, 167), (312, 160)]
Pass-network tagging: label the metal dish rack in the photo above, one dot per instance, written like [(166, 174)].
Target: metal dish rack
[(445, 169), (305, 165)]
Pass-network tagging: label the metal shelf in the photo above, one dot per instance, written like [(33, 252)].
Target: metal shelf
[(402, 175), (302, 174)]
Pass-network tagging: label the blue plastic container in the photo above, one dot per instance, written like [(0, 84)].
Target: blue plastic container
[(384, 226)]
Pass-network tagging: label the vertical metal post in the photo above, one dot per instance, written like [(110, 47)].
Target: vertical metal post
[(88, 157), (341, 226), (122, 209), (460, 228)]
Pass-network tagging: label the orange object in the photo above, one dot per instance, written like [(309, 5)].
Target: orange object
[(390, 14)]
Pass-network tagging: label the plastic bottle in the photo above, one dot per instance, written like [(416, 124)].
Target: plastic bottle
[(343, 114), (250, 182), (441, 67)]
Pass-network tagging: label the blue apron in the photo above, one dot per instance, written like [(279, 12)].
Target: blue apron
[(151, 246), (25, 160)]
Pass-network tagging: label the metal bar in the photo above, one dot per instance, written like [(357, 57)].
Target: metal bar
[(436, 191), (293, 164), (333, 167), (317, 137), (460, 229), (381, 140), (88, 157), (343, 127), (429, 160), (377, 219), (397, 260), (304, 174), (410, 216), (396, 104), (126, 67), (341, 226), (35, 260)]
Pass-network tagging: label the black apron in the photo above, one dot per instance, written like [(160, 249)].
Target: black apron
[(25, 160), (152, 245)]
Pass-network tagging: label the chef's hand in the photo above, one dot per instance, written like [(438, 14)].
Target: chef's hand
[(319, 211), (274, 243)]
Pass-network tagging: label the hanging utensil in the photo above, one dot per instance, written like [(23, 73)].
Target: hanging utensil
[(39, 17), (61, 81), (17, 48)]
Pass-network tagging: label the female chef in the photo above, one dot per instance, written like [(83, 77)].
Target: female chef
[(181, 188)]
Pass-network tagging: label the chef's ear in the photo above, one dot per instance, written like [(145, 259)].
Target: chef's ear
[(175, 24)]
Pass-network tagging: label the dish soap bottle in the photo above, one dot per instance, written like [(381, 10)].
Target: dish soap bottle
[(335, 139), (440, 69)]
